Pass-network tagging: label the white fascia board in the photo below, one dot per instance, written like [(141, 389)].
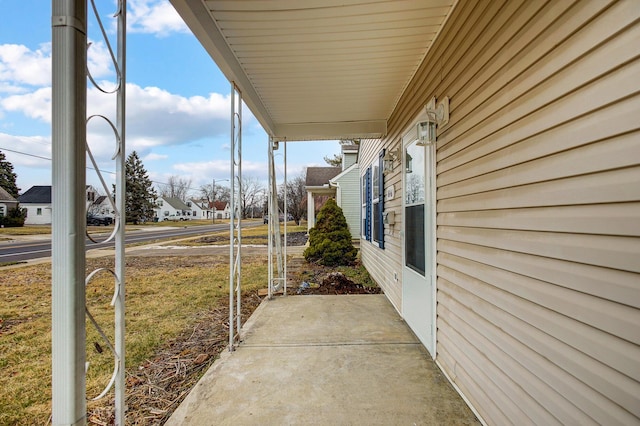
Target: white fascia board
[(373, 129)]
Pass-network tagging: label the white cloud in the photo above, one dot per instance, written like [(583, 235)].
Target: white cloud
[(36, 104), (38, 146), (155, 157), (21, 66), (155, 117), (154, 17), (202, 172), (99, 61)]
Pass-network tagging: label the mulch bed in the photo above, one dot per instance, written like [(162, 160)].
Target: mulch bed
[(310, 278), (159, 385)]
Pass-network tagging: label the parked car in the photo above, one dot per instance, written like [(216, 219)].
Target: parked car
[(174, 218), (99, 220)]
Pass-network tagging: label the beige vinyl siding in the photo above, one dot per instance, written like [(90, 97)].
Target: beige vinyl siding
[(538, 208), (385, 265)]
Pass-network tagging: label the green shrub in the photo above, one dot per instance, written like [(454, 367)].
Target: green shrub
[(15, 217), (330, 240)]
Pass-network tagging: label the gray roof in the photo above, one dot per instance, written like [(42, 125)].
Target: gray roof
[(319, 176), (36, 195), (176, 203), (5, 196)]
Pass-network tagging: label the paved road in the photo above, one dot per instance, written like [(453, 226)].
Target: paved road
[(20, 251)]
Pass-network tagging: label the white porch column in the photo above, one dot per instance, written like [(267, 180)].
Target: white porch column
[(311, 211), (69, 106)]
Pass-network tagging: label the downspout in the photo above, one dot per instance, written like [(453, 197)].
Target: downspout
[(68, 131)]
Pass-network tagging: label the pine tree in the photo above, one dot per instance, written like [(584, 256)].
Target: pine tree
[(140, 196), (8, 177), (330, 240)]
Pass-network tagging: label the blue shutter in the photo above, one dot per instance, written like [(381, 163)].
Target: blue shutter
[(381, 199), (367, 231)]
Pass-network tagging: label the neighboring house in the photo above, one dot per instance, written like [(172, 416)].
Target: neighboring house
[(199, 209), (171, 208), (6, 202), (37, 201), (347, 184), (319, 190), (221, 210), (102, 207), (341, 183)]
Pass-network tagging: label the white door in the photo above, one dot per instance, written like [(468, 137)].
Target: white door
[(418, 298)]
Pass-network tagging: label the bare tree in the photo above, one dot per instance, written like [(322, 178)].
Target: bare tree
[(296, 197), (253, 193), (222, 193), (176, 187)]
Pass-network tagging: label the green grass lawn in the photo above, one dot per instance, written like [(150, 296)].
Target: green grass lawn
[(164, 296)]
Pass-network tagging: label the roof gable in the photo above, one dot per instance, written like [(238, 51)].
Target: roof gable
[(176, 203), (319, 176), (220, 205), (5, 196)]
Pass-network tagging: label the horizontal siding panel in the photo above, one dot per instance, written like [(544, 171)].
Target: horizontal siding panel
[(614, 318), (622, 151), (470, 379), (477, 346), (380, 268), (578, 326), (603, 250), (615, 186), (495, 382), (566, 397), (534, 88), (509, 54), (504, 149), (609, 284), (604, 219), (548, 109)]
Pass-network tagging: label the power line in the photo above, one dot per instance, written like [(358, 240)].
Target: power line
[(87, 167)]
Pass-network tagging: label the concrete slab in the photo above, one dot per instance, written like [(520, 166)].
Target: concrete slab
[(324, 360)]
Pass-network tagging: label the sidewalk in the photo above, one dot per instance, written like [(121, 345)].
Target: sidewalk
[(324, 360)]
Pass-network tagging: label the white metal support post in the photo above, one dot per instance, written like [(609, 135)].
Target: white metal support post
[(275, 282), (286, 219), (235, 224), (120, 383), (69, 93)]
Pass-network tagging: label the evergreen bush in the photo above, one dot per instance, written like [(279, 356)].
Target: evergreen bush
[(330, 240), (15, 217)]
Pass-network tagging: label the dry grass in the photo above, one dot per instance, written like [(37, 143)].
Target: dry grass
[(255, 235), (27, 230), (165, 297)]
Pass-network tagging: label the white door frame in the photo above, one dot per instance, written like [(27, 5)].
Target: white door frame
[(426, 335)]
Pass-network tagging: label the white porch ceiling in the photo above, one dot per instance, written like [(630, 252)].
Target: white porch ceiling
[(318, 69)]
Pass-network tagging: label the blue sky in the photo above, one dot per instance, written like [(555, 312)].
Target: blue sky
[(177, 100)]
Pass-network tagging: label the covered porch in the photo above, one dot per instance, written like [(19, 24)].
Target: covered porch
[(345, 359)]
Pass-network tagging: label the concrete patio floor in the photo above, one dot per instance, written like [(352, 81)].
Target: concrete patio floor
[(324, 360)]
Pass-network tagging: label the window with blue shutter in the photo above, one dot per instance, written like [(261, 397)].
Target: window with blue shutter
[(378, 200), (367, 213)]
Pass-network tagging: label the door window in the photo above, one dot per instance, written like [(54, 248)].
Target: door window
[(414, 207)]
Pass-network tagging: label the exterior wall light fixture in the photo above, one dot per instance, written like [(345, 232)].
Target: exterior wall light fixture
[(389, 159), (436, 116)]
